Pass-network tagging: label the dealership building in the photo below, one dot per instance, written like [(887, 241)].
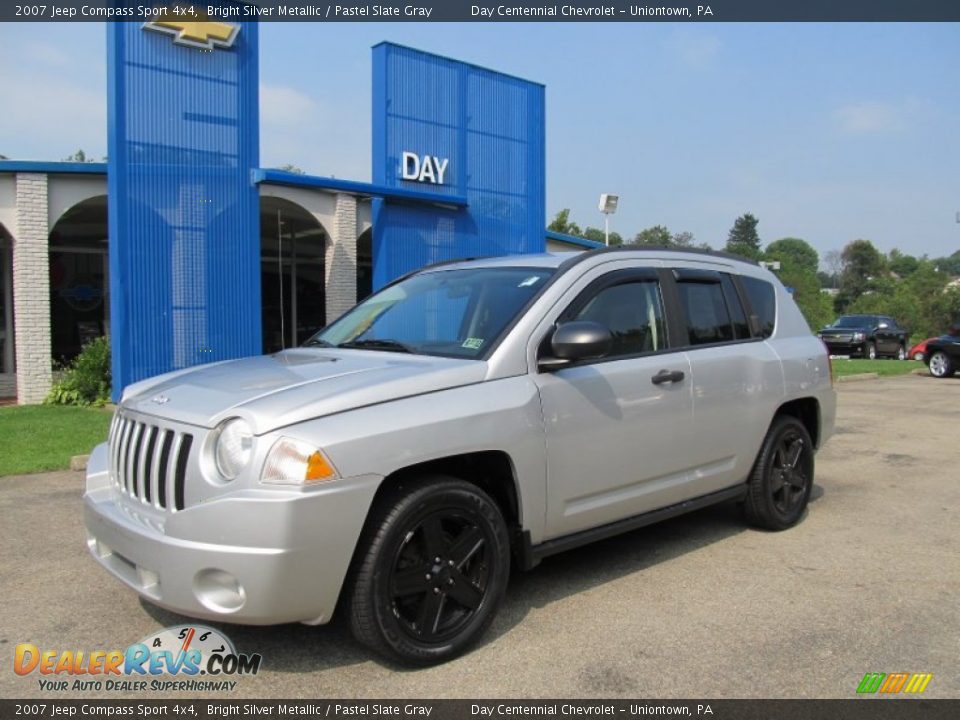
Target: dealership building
[(184, 250)]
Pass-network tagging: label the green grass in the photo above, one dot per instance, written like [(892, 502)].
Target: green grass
[(884, 368), (35, 438)]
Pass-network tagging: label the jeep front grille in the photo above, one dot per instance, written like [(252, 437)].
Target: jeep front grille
[(149, 462)]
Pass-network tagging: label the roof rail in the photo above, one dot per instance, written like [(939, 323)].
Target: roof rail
[(660, 248)]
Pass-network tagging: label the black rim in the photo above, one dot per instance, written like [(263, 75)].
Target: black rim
[(440, 575), (790, 473)]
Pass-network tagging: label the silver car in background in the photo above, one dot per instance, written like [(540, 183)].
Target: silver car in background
[(467, 417)]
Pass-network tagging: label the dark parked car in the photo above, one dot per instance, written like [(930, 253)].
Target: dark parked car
[(869, 336), (943, 353)]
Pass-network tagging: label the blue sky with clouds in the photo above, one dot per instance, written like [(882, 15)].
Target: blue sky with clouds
[(827, 132)]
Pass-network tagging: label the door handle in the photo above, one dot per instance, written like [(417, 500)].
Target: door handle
[(667, 376)]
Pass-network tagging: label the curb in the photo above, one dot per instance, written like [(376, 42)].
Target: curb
[(79, 462), (857, 378)]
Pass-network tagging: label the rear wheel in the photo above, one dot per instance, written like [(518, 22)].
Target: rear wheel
[(433, 569), (941, 366), (901, 353), (779, 486)]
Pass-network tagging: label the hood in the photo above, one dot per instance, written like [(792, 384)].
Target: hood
[(272, 391), (833, 330)]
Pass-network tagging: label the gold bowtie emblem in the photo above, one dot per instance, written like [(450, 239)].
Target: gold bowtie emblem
[(206, 35)]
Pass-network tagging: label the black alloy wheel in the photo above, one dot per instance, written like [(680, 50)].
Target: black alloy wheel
[(430, 571), (782, 477)]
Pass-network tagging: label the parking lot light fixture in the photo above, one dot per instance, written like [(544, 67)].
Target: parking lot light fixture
[(608, 206)]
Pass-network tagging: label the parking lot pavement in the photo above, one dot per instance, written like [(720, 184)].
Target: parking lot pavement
[(693, 608)]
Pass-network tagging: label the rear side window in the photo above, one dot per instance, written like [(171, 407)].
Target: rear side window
[(741, 330), (762, 301), (708, 320)]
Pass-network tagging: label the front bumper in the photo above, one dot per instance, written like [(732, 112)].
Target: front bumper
[(844, 348), (254, 556)]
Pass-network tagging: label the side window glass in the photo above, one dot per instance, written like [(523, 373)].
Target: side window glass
[(741, 331), (633, 312), (706, 312), (763, 302)]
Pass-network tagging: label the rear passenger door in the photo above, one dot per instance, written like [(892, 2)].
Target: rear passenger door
[(734, 375), (617, 429)]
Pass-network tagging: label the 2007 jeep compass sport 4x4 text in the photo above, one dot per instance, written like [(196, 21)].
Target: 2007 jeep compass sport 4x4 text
[(466, 417)]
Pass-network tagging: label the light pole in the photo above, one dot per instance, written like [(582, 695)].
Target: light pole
[(608, 206)]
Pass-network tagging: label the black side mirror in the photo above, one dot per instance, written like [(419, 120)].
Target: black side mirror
[(578, 340)]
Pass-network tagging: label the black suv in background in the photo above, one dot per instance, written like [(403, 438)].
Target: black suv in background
[(869, 336)]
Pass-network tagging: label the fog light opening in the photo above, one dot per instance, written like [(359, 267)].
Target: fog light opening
[(219, 590)]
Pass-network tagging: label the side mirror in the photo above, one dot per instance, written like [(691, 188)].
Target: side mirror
[(578, 340)]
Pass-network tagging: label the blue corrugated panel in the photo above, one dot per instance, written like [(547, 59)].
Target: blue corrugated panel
[(184, 223), (489, 127)]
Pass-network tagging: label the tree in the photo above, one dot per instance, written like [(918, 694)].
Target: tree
[(656, 236), (291, 169), (832, 267), (562, 224), (597, 235), (799, 253), (743, 239), (863, 267), (902, 265), (949, 264), (79, 156)]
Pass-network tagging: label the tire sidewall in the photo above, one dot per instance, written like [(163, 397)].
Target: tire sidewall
[(945, 364), (453, 495), (870, 351), (774, 517)]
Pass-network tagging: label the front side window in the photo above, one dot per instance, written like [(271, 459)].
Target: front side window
[(705, 310), (451, 313), (633, 312)]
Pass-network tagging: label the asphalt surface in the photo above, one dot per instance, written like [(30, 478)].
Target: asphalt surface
[(697, 607)]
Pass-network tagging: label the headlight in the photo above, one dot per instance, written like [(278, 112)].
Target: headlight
[(291, 462), (858, 337), (233, 447)]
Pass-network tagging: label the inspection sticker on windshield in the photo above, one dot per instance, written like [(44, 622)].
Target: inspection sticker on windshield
[(472, 343), (532, 280)]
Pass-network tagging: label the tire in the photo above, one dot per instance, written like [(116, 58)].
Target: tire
[(779, 485), (870, 351), (901, 353), (407, 605), (941, 366)]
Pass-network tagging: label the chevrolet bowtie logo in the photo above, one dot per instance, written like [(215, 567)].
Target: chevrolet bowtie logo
[(205, 35)]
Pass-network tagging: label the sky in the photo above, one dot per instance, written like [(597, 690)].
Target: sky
[(828, 132)]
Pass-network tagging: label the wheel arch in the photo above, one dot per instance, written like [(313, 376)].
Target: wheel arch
[(807, 411)]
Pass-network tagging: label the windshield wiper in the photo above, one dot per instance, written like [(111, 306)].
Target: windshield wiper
[(319, 342), (387, 345)]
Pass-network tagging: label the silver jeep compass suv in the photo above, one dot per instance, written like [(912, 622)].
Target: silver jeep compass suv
[(466, 417)]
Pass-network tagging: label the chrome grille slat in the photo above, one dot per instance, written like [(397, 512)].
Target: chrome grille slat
[(171, 479), (148, 462)]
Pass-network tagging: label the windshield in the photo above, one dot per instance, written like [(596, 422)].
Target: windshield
[(451, 313), (854, 321)]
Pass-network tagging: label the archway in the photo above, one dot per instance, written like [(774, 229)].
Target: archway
[(292, 273), (364, 264), (79, 280)]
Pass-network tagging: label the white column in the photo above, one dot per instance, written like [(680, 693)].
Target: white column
[(31, 289), (340, 264)]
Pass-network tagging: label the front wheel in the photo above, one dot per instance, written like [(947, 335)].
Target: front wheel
[(870, 351), (431, 571), (779, 486), (941, 366)]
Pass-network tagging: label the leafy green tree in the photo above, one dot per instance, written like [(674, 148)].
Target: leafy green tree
[(743, 239), (863, 266), (799, 253), (902, 265), (949, 264), (597, 235), (656, 236), (292, 169), (562, 224)]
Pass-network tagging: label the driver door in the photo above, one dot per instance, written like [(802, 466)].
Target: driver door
[(615, 432)]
